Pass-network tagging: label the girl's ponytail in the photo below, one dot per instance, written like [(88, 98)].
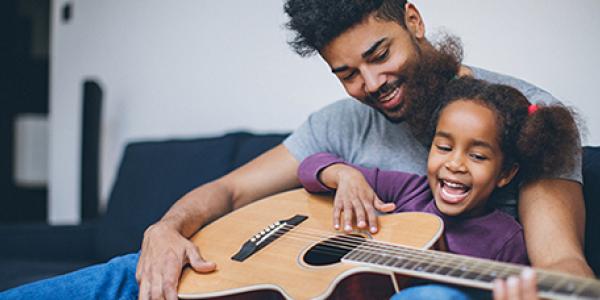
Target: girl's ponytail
[(547, 142)]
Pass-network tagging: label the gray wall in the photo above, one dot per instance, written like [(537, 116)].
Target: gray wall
[(197, 68)]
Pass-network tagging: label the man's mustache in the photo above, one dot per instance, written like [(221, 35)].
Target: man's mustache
[(385, 89)]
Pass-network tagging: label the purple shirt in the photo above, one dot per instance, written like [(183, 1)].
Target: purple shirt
[(494, 235)]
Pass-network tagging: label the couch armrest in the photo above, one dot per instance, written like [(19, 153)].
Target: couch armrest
[(46, 242)]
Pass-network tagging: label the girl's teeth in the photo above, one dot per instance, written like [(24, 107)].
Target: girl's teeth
[(454, 185)]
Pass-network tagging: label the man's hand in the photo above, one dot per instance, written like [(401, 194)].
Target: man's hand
[(354, 198), (517, 288), (164, 254)]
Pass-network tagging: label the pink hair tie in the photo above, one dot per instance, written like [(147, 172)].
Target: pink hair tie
[(532, 109)]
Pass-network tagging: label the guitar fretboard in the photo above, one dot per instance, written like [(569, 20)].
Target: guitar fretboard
[(457, 269)]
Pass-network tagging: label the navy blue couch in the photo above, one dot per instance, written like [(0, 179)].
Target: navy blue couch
[(152, 175)]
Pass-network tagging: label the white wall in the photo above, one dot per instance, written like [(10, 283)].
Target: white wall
[(199, 68)]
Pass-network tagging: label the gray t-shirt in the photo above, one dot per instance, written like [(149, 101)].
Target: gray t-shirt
[(362, 136)]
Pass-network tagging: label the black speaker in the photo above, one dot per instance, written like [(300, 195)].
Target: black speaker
[(90, 149)]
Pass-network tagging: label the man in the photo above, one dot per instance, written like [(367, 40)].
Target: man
[(378, 51), (372, 46)]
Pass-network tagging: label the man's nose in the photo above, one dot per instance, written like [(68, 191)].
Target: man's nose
[(372, 81)]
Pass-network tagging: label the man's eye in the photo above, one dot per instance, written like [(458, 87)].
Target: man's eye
[(349, 76), (381, 57)]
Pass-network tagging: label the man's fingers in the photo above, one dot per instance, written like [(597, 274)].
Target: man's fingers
[(197, 262), (513, 286), (138, 270), (171, 278), (144, 293), (528, 284), (156, 290), (499, 289)]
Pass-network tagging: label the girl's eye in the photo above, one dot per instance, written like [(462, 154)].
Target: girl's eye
[(443, 148), (479, 157), (382, 56)]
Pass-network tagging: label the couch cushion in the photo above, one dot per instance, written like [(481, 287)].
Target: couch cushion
[(591, 193), (249, 146), (151, 177)]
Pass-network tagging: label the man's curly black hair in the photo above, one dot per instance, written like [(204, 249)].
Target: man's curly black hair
[(317, 22)]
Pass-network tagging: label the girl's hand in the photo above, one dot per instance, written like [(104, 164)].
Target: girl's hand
[(354, 199)]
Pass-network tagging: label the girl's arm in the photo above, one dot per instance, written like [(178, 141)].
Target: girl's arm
[(359, 191)]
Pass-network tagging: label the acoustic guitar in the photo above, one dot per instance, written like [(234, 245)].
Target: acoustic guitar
[(286, 243)]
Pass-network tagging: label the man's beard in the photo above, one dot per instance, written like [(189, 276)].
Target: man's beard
[(424, 83)]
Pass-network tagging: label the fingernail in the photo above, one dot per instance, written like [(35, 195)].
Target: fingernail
[(348, 228), (373, 229), (527, 273), (362, 224), (512, 281), (336, 226)]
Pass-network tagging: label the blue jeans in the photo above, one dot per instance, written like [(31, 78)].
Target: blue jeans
[(441, 292), (116, 280), (112, 280)]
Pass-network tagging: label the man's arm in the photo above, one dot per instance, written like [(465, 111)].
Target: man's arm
[(552, 212), (166, 249)]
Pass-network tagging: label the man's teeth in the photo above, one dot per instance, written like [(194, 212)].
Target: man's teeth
[(390, 96)]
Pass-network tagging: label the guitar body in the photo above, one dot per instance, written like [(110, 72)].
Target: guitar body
[(281, 264)]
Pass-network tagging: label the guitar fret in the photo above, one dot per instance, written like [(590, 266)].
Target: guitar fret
[(392, 262), (591, 290), (380, 259), (545, 282), (421, 266), (364, 254), (565, 286), (461, 267), (485, 273), (354, 254), (409, 264)]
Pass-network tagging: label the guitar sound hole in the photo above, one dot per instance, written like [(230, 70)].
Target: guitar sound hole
[(332, 250)]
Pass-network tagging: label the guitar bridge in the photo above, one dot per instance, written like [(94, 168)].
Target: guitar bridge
[(266, 236)]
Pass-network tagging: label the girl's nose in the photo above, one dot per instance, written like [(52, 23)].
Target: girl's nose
[(456, 164)]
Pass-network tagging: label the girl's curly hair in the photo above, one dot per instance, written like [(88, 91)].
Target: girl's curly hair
[(543, 142)]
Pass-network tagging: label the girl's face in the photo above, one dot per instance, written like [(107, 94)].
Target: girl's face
[(465, 159)]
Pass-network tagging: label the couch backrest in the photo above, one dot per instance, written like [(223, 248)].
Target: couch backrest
[(153, 175), (591, 193)]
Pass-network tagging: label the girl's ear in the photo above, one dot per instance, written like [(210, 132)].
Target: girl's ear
[(507, 176)]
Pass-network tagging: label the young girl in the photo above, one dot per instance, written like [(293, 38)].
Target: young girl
[(484, 134)]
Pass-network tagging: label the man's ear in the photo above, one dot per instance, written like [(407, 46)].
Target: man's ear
[(414, 22), (508, 175)]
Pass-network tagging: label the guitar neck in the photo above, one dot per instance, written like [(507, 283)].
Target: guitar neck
[(464, 270)]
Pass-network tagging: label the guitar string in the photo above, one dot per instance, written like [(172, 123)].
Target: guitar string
[(375, 247), (425, 268), (580, 284), (479, 265)]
